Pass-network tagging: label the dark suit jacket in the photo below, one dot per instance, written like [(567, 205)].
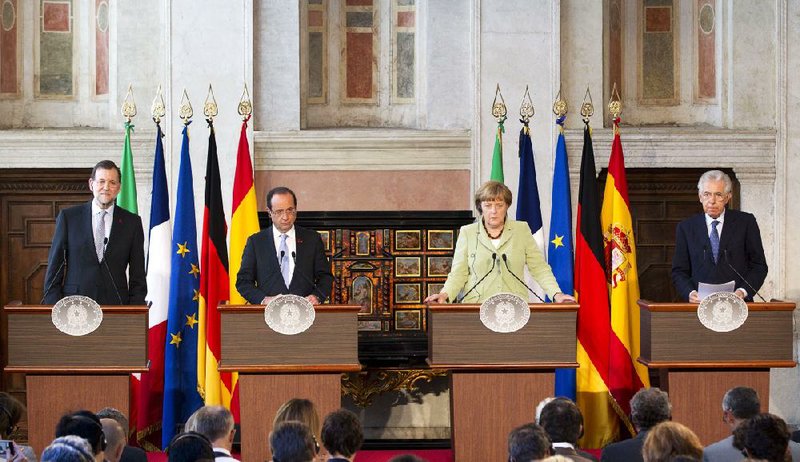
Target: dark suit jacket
[(73, 240), (133, 454), (740, 246), (629, 450), (260, 273), (577, 456)]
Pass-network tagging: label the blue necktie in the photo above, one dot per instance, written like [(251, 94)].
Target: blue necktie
[(714, 240), (284, 255)]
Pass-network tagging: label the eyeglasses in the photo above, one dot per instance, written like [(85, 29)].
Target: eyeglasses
[(706, 195), (279, 213)]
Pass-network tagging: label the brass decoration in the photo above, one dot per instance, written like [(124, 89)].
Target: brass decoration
[(158, 109), (587, 108), (526, 110), (615, 104), (560, 107), (245, 105), (499, 110), (363, 387), (185, 111), (210, 109), (129, 105)]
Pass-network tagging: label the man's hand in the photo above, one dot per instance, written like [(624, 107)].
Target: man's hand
[(268, 299), (313, 299), (563, 298), (693, 298), (441, 297), (739, 293)]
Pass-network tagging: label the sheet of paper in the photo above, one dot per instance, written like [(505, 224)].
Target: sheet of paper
[(704, 290)]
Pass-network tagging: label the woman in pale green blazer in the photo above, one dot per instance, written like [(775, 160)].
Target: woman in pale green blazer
[(492, 251)]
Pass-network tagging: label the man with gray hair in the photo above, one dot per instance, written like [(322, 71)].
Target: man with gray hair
[(129, 453), (718, 245), (216, 424), (115, 439), (649, 407)]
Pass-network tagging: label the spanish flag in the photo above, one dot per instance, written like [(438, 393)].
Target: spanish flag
[(244, 218)]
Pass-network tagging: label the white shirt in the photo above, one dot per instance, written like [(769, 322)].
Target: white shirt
[(720, 219), (229, 458), (109, 219), (291, 243)]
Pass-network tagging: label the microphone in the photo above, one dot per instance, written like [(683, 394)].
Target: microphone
[(105, 264), (318, 293), (727, 260), (494, 260), (505, 260), (55, 276)]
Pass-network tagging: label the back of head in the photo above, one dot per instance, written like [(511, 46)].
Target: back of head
[(406, 458), (215, 422), (765, 436), (190, 447), (649, 407), (298, 410), (742, 402), (562, 420), (86, 425), (115, 439), (11, 410), (342, 433), (669, 440), (528, 442), (116, 414), (292, 442), (68, 448)]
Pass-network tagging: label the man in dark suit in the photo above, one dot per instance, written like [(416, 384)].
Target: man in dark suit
[(719, 245), (563, 422), (284, 258), (95, 244), (649, 407)]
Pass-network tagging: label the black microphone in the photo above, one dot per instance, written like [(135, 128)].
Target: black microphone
[(105, 263), (319, 293), (55, 276), (494, 260), (727, 260), (505, 260)]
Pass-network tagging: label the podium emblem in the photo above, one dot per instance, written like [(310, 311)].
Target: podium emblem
[(77, 315), (722, 312), (505, 313), (289, 314)]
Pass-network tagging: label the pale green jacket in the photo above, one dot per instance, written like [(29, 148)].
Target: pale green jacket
[(473, 259)]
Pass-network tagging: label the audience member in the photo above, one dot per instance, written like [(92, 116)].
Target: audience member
[(86, 425), (292, 441), (115, 439), (216, 424), (190, 447), (407, 458), (765, 437), (70, 448), (301, 410), (528, 443), (342, 435), (669, 440), (11, 411), (649, 407), (563, 422), (129, 453), (541, 406), (557, 458)]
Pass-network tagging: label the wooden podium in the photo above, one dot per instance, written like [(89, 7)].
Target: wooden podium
[(274, 368), (697, 365), (66, 373), (497, 379)]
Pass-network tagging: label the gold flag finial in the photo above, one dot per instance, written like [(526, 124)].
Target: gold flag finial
[(615, 104), (499, 109), (158, 109), (245, 105), (526, 110), (129, 105), (560, 107), (210, 109), (587, 108), (185, 111)]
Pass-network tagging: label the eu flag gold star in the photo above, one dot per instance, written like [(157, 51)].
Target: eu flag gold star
[(191, 320), (558, 241), (196, 295), (183, 249), (195, 270), (176, 340)]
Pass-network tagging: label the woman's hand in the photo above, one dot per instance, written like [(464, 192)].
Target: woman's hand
[(563, 298), (441, 297)]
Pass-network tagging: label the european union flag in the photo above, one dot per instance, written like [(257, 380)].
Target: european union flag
[(181, 397), (528, 206)]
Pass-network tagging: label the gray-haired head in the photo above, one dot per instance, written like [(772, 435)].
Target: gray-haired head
[(213, 422), (68, 448), (116, 414), (649, 407), (715, 175), (742, 402)]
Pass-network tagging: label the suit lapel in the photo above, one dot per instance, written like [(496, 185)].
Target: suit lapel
[(730, 219), (88, 231), (701, 229)]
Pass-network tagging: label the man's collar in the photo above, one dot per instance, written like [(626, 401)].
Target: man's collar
[(289, 233), (720, 218), (563, 444), (96, 208), (221, 449)]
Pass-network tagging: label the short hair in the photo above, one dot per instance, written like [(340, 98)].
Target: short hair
[(292, 442), (280, 190), (190, 447), (86, 425), (562, 420), (115, 436), (528, 442), (492, 190), (743, 402), (765, 436), (11, 410), (406, 458), (299, 410), (715, 175), (649, 407), (342, 433), (541, 406), (70, 448), (116, 414), (214, 422), (669, 440), (106, 165)]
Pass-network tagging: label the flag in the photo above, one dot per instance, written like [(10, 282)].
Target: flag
[(559, 246), (626, 375), (594, 324), (528, 206), (127, 193), (216, 388), (150, 395), (181, 395), (244, 215), (497, 155)]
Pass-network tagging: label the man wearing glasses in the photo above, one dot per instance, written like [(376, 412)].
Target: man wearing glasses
[(718, 245), (284, 258)]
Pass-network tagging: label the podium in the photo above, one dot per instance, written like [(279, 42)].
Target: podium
[(274, 368), (497, 379), (697, 365), (66, 373)]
